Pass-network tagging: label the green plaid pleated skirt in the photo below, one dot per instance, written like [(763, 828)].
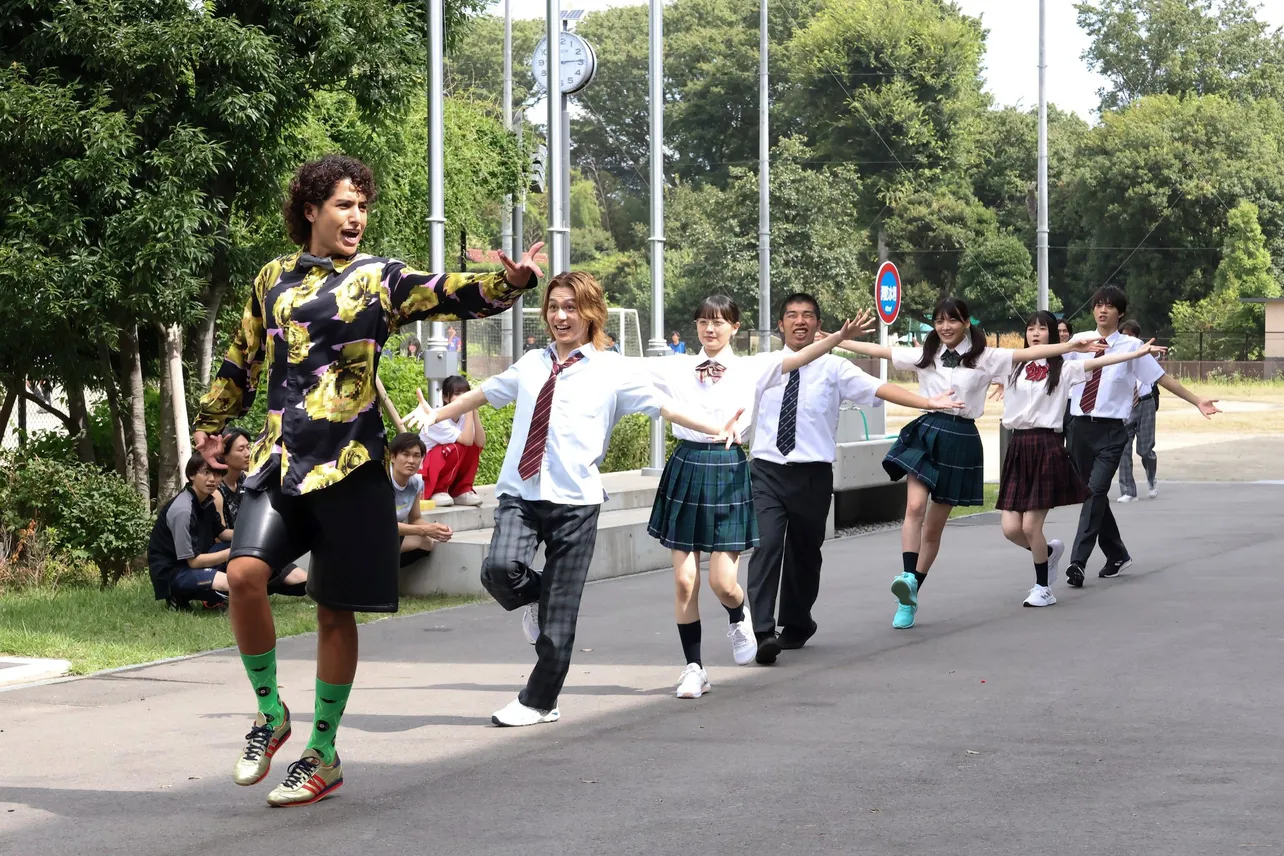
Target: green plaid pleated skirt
[(705, 501), (945, 453)]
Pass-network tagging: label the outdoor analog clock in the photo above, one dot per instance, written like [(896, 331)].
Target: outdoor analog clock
[(578, 60)]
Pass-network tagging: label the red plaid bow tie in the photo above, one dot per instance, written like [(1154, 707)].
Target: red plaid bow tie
[(1035, 372), (710, 369)]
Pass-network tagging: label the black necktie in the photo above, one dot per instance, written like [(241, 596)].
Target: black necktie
[(786, 433), (307, 260), (950, 359)]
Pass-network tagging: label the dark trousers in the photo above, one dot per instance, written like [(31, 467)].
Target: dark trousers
[(1095, 448), (792, 506), (569, 534)]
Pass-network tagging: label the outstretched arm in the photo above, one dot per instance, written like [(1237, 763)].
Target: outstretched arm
[(423, 415), (1112, 359), (678, 415), (232, 391), (1042, 352), (798, 359), (416, 295), (896, 395), (1206, 406)]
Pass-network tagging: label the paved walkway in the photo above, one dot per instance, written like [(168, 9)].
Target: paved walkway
[(1138, 716)]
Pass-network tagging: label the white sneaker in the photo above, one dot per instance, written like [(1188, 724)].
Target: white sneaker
[(442, 500), (1123, 497), (744, 644), (1056, 549), (694, 683), (530, 623), (518, 714), (1154, 491), (1040, 596), (468, 498)]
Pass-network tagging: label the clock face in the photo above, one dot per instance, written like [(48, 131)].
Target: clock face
[(578, 63)]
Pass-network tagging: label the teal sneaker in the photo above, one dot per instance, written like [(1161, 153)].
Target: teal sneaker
[(905, 587)]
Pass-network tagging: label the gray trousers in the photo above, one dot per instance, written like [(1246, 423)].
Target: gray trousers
[(1142, 427), (569, 534)]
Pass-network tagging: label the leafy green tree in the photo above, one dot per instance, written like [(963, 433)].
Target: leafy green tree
[(998, 280), (1221, 326), (1182, 47)]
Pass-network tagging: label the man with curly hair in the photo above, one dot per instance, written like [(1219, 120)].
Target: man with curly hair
[(315, 325)]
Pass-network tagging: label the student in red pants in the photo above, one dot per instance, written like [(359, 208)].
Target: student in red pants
[(454, 451)]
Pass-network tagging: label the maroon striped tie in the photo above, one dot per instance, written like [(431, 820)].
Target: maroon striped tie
[(533, 453), (1088, 400)]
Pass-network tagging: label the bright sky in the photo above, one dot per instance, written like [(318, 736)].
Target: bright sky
[(1012, 55)]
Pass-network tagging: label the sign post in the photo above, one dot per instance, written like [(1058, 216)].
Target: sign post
[(887, 301)]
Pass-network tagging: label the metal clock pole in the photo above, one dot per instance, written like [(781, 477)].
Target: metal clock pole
[(656, 347), (558, 233)]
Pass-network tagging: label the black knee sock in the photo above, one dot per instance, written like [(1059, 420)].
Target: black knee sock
[(1041, 573), (690, 636), (736, 613), (921, 579), (909, 561)]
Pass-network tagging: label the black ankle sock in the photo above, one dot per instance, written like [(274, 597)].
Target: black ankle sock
[(690, 636), (922, 578), (736, 613), (1041, 573), (910, 562)]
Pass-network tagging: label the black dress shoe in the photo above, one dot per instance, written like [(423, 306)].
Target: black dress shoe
[(1112, 569), (793, 638), (1074, 575), (768, 649)]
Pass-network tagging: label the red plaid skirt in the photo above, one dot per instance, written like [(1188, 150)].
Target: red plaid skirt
[(1038, 473)]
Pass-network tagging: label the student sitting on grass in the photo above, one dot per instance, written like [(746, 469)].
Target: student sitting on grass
[(406, 453), (184, 571)]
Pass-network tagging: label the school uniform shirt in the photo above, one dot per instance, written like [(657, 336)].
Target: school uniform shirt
[(1114, 395), (1026, 402), (823, 385), (443, 433), (970, 386), (588, 398), (743, 381)]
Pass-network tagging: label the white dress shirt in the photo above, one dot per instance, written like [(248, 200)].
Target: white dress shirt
[(1114, 395), (1027, 404), (443, 433), (743, 381), (823, 385), (969, 385), (588, 398)]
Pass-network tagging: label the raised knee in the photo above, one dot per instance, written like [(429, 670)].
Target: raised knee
[(1012, 531), (686, 584)]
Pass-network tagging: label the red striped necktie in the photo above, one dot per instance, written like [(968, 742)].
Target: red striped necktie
[(537, 436), (1088, 401)]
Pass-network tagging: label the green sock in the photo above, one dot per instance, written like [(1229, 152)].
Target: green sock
[(331, 700), (262, 671)]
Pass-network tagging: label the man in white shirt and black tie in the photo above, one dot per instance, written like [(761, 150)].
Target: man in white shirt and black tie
[(1100, 408), (793, 453)]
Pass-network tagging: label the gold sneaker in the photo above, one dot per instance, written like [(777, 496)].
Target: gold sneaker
[(261, 744), (308, 781)]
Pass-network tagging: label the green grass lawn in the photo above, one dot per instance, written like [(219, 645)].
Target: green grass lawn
[(991, 497), (97, 630)]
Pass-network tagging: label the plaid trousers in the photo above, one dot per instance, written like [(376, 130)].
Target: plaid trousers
[(569, 533), (1141, 426)]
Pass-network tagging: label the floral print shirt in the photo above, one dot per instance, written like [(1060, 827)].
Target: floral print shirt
[(312, 333)]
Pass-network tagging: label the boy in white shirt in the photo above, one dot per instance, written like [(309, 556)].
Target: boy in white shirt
[(568, 396), (1100, 409)]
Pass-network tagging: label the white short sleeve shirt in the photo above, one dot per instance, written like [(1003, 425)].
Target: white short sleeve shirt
[(970, 385), (824, 385), (588, 398), (743, 381), (443, 433), (1026, 402), (1118, 382)]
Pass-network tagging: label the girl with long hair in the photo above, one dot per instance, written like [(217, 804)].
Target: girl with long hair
[(1038, 474), (704, 504), (940, 453)]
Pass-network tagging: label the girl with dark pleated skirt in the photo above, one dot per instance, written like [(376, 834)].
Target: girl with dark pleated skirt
[(940, 454), (704, 504), (1037, 473)]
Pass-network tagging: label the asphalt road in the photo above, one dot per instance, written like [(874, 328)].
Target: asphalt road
[(1139, 715)]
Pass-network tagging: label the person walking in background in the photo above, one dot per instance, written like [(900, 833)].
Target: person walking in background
[(454, 448), (676, 345), (1140, 427)]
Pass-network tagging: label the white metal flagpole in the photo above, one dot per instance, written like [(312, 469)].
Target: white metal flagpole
[(657, 347)]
